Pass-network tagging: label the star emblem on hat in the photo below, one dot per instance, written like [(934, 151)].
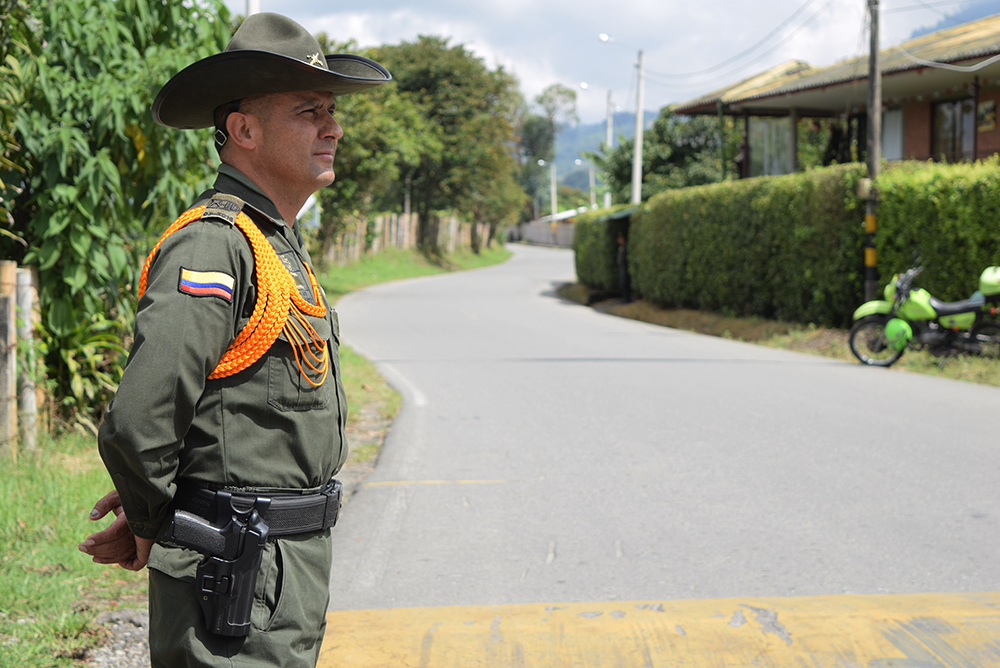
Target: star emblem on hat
[(315, 59)]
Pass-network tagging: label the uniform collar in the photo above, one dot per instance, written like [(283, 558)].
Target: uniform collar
[(234, 182)]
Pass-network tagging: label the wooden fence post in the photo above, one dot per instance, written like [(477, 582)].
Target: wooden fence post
[(8, 358), (28, 400)]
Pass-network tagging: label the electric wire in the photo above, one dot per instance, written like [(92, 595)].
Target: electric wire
[(946, 66), (746, 51), (653, 75), (932, 8), (923, 5)]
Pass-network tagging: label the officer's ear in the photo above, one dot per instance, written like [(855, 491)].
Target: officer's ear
[(243, 130)]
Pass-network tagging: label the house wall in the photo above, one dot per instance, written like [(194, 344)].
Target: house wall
[(917, 130)]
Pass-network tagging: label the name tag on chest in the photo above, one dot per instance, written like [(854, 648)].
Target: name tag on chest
[(294, 266)]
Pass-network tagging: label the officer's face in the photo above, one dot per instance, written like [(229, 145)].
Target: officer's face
[(299, 139)]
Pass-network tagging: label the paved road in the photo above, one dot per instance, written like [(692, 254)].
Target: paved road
[(582, 471)]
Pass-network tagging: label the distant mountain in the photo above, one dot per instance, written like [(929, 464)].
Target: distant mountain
[(572, 140), (976, 11)]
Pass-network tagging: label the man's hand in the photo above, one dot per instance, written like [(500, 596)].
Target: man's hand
[(116, 544)]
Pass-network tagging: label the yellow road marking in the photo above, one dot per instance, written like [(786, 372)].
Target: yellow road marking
[(906, 631), (393, 483)]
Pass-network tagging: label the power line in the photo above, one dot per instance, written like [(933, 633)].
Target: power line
[(748, 63), (932, 8), (925, 5), (947, 66), (742, 53)]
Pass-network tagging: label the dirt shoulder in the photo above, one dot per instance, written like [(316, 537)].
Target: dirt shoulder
[(791, 336)]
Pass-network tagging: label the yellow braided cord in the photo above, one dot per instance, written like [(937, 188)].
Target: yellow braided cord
[(278, 305)]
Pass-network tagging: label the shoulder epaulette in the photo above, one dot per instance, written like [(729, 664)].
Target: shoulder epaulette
[(223, 207), (279, 306)]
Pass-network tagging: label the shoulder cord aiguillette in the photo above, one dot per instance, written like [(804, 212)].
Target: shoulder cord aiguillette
[(279, 308)]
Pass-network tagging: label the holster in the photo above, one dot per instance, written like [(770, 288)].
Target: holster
[(226, 578), (231, 530)]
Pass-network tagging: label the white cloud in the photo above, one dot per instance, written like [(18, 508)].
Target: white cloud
[(555, 41)]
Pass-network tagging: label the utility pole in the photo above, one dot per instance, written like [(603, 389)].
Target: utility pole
[(639, 122), (721, 109), (874, 154), (610, 143), (637, 154)]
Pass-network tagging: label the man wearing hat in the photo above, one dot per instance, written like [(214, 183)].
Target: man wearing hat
[(228, 424)]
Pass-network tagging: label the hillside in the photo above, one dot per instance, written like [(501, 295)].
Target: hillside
[(572, 140)]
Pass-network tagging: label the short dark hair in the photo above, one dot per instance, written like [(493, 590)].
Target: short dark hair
[(220, 116)]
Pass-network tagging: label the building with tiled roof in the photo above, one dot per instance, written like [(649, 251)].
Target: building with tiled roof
[(939, 95)]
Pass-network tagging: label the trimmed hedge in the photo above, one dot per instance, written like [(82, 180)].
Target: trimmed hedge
[(595, 247), (949, 215), (786, 248), (792, 247)]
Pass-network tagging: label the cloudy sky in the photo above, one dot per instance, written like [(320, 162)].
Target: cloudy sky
[(691, 46)]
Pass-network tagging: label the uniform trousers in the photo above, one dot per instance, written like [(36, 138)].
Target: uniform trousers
[(287, 621)]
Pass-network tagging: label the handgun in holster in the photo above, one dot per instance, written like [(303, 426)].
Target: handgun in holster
[(232, 546)]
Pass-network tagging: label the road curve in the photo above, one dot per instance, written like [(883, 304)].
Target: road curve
[(557, 476)]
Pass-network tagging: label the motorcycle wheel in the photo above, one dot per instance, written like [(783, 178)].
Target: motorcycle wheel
[(868, 342), (987, 335)]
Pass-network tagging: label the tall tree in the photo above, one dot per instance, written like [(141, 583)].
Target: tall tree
[(538, 138), (98, 174), (385, 137), (468, 110)]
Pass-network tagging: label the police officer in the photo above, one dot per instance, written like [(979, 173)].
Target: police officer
[(228, 424)]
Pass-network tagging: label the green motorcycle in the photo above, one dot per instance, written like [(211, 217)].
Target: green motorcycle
[(912, 318)]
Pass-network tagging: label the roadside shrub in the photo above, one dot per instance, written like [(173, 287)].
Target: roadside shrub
[(595, 246), (949, 215), (787, 248)]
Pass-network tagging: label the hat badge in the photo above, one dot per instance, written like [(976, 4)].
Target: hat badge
[(316, 60)]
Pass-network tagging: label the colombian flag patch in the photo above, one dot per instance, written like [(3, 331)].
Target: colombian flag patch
[(207, 284)]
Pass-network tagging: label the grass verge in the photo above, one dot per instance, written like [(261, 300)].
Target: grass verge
[(394, 264), (50, 593), (790, 336)]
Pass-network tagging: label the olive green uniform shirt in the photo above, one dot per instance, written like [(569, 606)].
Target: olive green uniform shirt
[(264, 429)]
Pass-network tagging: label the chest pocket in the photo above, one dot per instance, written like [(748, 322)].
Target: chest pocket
[(287, 388)]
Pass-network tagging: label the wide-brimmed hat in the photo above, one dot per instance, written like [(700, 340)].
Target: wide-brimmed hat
[(269, 53)]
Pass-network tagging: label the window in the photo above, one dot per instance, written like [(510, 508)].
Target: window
[(953, 138), (892, 134), (771, 146)]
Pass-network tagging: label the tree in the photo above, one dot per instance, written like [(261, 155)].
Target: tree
[(95, 175), (384, 135), (467, 111), (538, 137), (677, 152), (15, 41)]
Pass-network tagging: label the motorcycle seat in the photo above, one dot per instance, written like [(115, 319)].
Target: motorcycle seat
[(973, 303)]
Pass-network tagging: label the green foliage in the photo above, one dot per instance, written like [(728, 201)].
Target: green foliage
[(595, 246), (537, 141), (50, 591), (814, 140), (393, 264), (786, 248), (96, 174), (468, 112), (15, 40), (948, 214), (677, 152), (384, 135), (791, 247)]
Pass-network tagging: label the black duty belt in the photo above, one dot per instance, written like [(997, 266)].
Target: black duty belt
[(285, 514)]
